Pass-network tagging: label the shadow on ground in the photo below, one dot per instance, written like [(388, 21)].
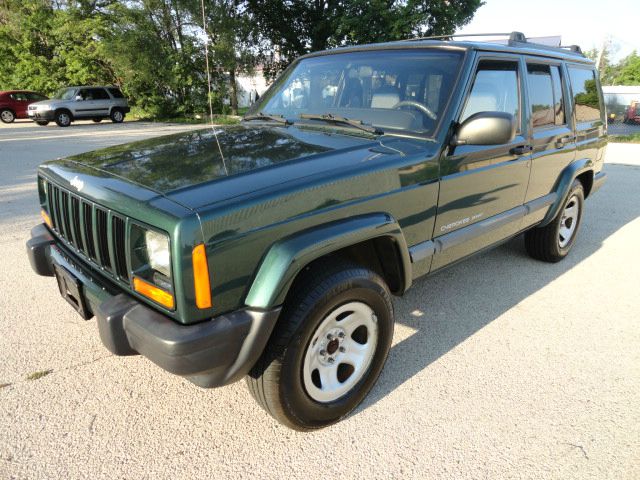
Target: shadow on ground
[(463, 299)]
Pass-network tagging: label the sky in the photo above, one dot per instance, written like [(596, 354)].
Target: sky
[(582, 22)]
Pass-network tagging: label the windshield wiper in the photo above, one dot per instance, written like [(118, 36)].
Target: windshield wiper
[(327, 117), (266, 116)]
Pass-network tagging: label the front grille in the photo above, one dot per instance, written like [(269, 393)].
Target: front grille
[(96, 233)]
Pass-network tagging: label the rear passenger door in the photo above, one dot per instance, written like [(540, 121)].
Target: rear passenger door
[(101, 102), (552, 136)]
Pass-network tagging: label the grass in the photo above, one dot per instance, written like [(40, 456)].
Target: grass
[(37, 375), (633, 138)]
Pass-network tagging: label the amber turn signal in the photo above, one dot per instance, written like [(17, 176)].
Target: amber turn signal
[(201, 281), (46, 218), (154, 293)]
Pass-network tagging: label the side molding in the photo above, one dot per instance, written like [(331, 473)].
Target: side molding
[(287, 257), (563, 185)]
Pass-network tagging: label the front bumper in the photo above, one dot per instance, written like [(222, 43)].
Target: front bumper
[(40, 115), (210, 354)]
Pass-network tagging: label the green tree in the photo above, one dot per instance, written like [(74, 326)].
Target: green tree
[(297, 27), (628, 72)]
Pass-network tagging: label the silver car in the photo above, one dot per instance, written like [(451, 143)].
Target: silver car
[(77, 103)]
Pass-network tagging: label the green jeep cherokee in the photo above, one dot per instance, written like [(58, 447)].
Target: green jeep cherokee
[(270, 249)]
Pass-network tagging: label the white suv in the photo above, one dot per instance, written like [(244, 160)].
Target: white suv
[(76, 103)]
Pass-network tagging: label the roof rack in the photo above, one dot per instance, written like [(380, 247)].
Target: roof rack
[(515, 39)]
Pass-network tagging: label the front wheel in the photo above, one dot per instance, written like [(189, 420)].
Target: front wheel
[(117, 115), (553, 242), (63, 118), (328, 348), (7, 116)]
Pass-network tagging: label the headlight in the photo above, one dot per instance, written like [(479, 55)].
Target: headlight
[(158, 252)]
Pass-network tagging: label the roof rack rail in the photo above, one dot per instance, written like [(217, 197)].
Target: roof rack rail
[(513, 36), (515, 39)]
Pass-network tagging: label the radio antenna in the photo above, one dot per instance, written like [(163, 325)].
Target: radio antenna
[(206, 58)]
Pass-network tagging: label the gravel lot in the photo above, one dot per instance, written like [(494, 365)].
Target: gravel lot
[(502, 367)]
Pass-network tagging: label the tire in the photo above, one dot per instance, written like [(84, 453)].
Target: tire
[(117, 115), (315, 326), (7, 115), (96, 120), (42, 123), (63, 118), (553, 242)]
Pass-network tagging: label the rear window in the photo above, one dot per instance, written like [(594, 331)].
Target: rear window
[(585, 94), (116, 93)]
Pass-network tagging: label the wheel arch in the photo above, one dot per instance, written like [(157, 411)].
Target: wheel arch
[(64, 109), (581, 169), (375, 241)]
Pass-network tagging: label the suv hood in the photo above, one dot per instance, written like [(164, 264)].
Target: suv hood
[(189, 169)]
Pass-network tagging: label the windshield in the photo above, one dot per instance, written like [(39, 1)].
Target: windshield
[(405, 90), (64, 94)]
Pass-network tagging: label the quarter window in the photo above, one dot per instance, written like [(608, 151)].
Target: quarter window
[(585, 94), (495, 89), (558, 95)]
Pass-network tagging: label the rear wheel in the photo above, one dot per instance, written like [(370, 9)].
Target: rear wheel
[(7, 116), (328, 348), (63, 118), (42, 123), (553, 242), (117, 115), (96, 120)]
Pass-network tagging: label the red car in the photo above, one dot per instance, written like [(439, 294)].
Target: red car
[(632, 114), (14, 103)]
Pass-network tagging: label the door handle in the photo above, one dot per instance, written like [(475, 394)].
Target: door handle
[(561, 142), (521, 149)]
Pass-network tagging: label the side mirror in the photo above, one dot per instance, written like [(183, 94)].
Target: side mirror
[(486, 128), (78, 98)]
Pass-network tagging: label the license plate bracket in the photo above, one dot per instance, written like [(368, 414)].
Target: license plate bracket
[(71, 290)]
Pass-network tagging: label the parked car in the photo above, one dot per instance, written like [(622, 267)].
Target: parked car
[(632, 113), (14, 103), (270, 250), (79, 103)]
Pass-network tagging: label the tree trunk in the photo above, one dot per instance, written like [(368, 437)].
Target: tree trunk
[(234, 92)]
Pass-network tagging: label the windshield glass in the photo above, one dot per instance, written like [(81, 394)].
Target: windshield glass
[(405, 90), (64, 94)]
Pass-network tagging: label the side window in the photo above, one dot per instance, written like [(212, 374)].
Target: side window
[(35, 97), (558, 96), (585, 94), (495, 89), (83, 93), (541, 95), (99, 94), (19, 97), (116, 93)]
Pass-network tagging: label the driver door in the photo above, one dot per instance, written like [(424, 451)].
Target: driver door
[(483, 187)]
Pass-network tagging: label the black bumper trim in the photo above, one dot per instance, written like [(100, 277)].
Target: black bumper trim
[(212, 353)]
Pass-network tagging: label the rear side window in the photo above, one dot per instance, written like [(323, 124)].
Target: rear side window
[(546, 97), (18, 97), (116, 93), (495, 89), (585, 94), (541, 95), (98, 94)]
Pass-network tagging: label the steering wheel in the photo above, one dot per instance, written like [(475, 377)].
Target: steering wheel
[(418, 105)]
